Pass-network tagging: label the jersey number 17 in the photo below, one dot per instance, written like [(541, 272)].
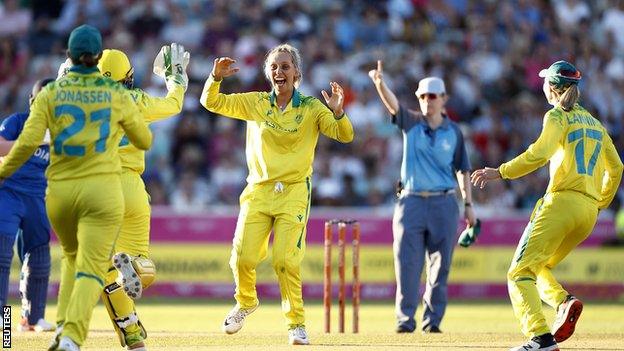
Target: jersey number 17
[(579, 150)]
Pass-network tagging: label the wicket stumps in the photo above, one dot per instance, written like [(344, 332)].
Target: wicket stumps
[(327, 283)]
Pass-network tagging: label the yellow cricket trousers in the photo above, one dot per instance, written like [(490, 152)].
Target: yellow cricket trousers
[(86, 215), (283, 208), (560, 222), (133, 239), (134, 235)]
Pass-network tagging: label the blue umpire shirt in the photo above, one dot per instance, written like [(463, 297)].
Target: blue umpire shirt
[(430, 157), (30, 178)]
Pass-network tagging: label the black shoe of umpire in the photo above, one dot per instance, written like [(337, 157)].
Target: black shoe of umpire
[(404, 329), (433, 329)]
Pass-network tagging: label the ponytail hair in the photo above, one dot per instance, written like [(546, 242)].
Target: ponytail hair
[(87, 60), (567, 97)]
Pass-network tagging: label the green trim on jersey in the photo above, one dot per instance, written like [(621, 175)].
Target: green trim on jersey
[(309, 187), (296, 98), (82, 69)]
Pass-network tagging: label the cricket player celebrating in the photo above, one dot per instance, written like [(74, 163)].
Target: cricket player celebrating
[(132, 244), (585, 172), (22, 212), (283, 127), (86, 115)]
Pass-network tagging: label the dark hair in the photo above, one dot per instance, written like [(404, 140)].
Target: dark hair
[(88, 60), (38, 86), (43, 82)]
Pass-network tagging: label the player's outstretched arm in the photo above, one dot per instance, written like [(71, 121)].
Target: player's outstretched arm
[(387, 96), (482, 176), (239, 106), (538, 153), (155, 108), (335, 124)]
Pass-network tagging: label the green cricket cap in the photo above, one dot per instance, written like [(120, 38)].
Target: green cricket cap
[(84, 40), (561, 73)]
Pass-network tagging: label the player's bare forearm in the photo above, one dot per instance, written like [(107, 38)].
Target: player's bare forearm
[(5, 146)]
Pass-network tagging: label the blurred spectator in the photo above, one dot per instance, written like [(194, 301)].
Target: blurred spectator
[(191, 194), (228, 178), (488, 52), (146, 18), (14, 21), (181, 29), (42, 40)]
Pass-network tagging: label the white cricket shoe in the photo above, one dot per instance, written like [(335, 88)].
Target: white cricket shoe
[(128, 277), (56, 339), (234, 320), (67, 344), (298, 336), (568, 314), (544, 342), (41, 326), (137, 347)]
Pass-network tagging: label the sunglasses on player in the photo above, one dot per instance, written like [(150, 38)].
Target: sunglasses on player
[(431, 96)]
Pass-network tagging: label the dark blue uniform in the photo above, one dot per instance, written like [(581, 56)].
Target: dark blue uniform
[(23, 216), (426, 215)]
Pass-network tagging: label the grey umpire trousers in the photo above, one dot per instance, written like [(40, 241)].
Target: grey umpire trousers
[(423, 227)]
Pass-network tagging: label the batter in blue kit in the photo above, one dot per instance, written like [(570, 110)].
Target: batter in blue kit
[(426, 214), (23, 218)]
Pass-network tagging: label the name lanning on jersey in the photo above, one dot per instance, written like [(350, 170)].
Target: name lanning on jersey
[(581, 119)]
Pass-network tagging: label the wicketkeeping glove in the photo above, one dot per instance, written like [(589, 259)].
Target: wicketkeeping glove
[(170, 64), (469, 235), (63, 69)]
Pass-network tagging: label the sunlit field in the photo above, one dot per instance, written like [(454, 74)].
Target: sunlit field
[(195, 325)]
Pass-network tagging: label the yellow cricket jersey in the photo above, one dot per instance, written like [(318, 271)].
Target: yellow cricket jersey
[(153, 109), (86, 114), (280, 144), (581, 154)]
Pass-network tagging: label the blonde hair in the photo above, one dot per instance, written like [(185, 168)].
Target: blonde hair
[(567, 97), (296, 60)]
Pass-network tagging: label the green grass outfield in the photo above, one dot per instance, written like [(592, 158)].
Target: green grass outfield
[(196, 325)]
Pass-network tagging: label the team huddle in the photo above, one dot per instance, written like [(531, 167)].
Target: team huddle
[(91, 125)]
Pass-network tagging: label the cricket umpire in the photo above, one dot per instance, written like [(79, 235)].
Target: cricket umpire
[(426, 215)]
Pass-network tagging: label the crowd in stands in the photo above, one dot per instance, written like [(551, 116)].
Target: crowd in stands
[(488, 52)]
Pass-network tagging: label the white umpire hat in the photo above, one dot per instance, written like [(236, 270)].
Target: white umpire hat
[(431, 85)]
